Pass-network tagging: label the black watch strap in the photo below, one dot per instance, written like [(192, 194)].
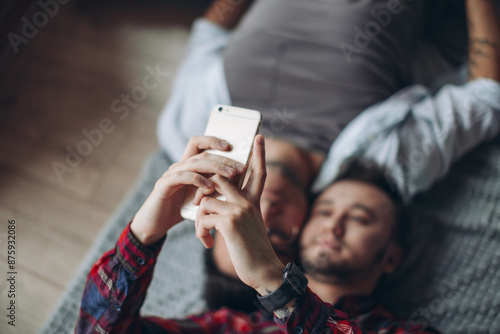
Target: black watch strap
[(294, 284)]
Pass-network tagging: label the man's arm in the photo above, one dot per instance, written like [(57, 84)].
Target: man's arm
[(117, 284), (116, 289), (484, 39), (227, 13)]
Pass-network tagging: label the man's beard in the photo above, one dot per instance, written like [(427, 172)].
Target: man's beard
[(324, 269)]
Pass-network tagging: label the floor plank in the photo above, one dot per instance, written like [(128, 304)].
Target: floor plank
[(64, 81), (25, 195), (39, 248), (119, 178), (34, 300)]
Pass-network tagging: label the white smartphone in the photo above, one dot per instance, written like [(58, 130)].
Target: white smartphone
[(238, 126)]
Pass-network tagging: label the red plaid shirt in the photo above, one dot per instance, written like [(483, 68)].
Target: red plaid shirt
[(116, 288)]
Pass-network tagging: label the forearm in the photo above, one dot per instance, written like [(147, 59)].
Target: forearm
[(484, 39), (153, 220), (227, 13)]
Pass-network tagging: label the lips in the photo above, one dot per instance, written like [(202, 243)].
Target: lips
[(330, 244)]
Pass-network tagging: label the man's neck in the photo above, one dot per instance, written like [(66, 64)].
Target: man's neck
[(330, 290)]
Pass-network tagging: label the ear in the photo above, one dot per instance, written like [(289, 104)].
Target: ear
[(393, 257)]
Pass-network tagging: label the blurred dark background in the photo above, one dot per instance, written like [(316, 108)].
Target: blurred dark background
[(58, 83)]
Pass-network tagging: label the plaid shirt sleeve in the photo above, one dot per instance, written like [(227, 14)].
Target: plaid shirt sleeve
[(312, 315), (116, 287)]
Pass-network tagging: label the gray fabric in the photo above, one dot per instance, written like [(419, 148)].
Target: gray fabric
[(450, 278), (317, 64)]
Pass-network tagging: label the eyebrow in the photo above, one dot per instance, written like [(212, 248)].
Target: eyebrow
[(323, 202), (287, 172), (354, 206), (366, 209)]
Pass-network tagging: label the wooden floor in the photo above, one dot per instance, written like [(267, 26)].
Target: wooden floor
[(62, 84)]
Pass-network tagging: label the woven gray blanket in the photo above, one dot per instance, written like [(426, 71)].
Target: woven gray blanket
[(451, 277)]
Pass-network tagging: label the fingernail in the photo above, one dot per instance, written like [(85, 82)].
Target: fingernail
[(224, 144), (240, 167), (230, 170), (209, 183)]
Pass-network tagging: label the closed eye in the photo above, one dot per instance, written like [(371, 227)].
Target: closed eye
[(322, 213), (359, 219)]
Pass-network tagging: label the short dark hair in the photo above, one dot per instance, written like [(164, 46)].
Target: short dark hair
[(222, 290), (368, 171)]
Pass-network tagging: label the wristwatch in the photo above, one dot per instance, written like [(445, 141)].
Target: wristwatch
[(294, 284)]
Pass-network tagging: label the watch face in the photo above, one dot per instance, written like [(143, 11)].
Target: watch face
[(294, 284), (296, 278), (288, 269)]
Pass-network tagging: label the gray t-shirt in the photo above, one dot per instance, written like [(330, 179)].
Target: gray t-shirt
[(311, 66)]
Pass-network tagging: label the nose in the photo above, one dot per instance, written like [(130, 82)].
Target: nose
[(270, 209), (336, 225), (279, 229)]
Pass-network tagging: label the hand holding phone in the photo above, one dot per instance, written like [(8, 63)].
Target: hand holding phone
[(161, 210), (238, 126)]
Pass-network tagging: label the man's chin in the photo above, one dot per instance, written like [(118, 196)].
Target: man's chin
[(328, 266), (334, 274), (318, 258)]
